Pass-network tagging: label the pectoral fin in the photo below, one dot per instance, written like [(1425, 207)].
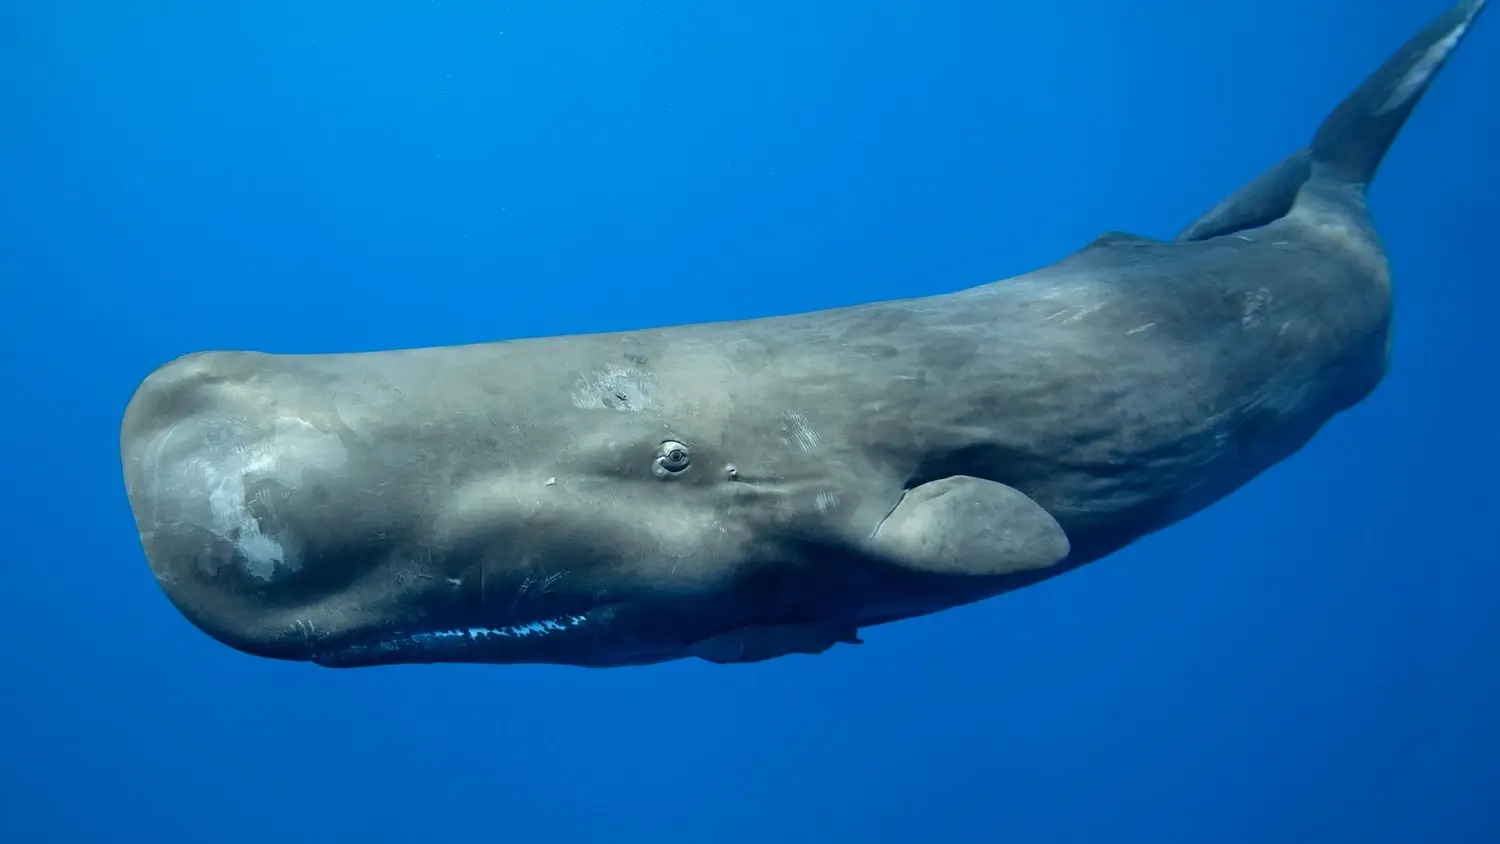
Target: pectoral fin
[(756, 643), (967, 527)]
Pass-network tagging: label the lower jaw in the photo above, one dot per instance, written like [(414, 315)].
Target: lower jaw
[(507, 643)]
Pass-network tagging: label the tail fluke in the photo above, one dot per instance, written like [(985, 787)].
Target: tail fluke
[(1355, 137)]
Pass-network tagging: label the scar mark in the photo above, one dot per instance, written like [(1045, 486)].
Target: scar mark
[(619, 388), (795, 430), (308, 630), (1138, 329), (825, 501), (551, 580), (1255, 302), (1083, 312)]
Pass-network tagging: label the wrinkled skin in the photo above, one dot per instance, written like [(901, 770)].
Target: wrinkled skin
[(742, 491)]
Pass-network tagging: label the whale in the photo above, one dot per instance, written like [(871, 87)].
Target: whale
[(748, 490)]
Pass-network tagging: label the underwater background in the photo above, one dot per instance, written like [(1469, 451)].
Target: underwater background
[(1312, 660)]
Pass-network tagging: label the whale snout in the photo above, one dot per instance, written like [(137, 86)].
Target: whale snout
[(221, 484)]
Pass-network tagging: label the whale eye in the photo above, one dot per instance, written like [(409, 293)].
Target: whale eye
[(671, 458)]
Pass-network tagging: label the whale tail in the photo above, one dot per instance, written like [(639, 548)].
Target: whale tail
[(1354, 138)]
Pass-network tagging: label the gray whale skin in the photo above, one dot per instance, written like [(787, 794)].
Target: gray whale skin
[(741, 491)]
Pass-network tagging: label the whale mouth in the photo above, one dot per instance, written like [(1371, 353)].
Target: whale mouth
[(458, 644)]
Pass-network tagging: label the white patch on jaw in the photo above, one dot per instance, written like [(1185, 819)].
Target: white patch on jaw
[(620, 388), (512, 631), (208, 485), (1422, 71), (795, 431)]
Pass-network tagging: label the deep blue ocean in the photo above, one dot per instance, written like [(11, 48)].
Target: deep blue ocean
[(1314, 659)]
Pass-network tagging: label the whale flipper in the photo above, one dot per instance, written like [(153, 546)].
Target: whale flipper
[(1352, 141), (954, 527), (964, 526), (758, 643)]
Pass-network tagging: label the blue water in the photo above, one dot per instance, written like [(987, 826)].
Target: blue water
[(1316, 659)]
